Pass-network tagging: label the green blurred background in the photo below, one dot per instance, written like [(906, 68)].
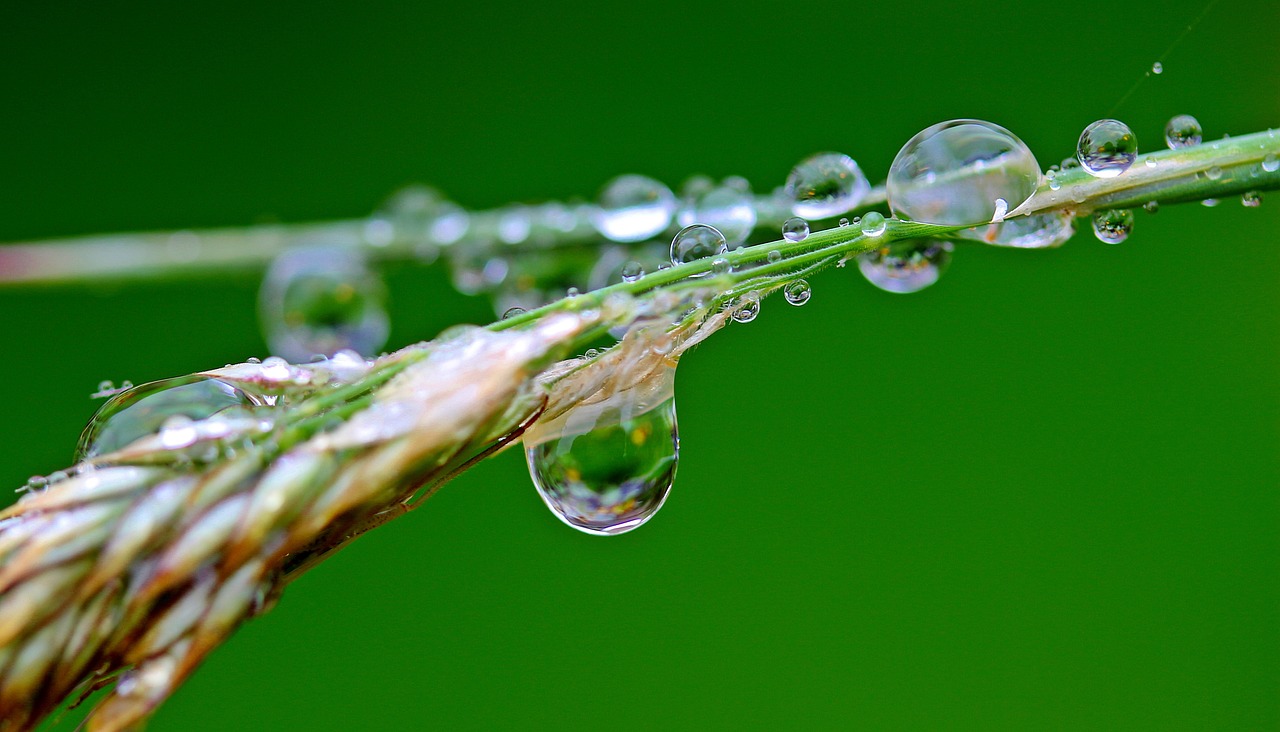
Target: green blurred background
[(1040, 495)]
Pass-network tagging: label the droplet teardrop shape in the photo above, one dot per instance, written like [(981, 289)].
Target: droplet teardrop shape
[(606, 467), (957, 172), (144, 410)]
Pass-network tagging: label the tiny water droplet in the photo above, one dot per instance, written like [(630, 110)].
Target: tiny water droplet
[(145, 409), (1209, 202), (720, 266), (1113, 226), (1157, 68), (695, 242), (797, 293), (1271, 163), (1151, 207), (795, 229), (906, 266), (844, 221), (1213, 173), (1107, 148), (633, 208), (1183, 131), (321, 300), (873, 223), (632, 271), (953, 172), (513, 311), (825, 185), (1251, 199), (607, 468), (1051, 175), (774, 256), (106, 385), (747, 307), (1069, 164), (572, 292)]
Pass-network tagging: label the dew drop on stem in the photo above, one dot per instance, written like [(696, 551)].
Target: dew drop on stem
[(1107, 148)]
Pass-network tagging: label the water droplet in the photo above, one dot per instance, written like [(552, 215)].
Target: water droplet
[(906, 266), (731, 211), (632, 271), (633, 208), (746, 308), (953, 172), (797, 293), (1213, 173), (320, 300), (873, 224), (1209, 202), (513, 311), (844, 221), (608, 467), (795, 229), (1037, 231), (697, 242), (145, 409), (1157, 68), (106, 385), (1107, 148), (825, 185), (1251, 199), (1183, 131), (1151, 207), (1113, 226), (1271, 163), (774, 256), (514, 225), (1069, 164), (1051, 175), (720, 266)]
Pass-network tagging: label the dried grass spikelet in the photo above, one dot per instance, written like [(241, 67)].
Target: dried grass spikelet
[(134, 572)]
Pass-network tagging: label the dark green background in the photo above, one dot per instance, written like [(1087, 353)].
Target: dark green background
[(1040, 495)]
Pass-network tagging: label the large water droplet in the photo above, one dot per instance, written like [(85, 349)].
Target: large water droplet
[(321, 300), (954, 173), (634, 208), (697, 242), (1036, 231), (906, 266), (728, 209), (144, 410), (1107, 148), (1113, 226), (795, 229), (607, 467), (1183, 131), (825, 185)]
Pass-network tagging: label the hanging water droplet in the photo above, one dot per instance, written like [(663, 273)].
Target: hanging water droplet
[(797, 293), (633, 208), (1157, 68), (906, 266), (420, 212), (825, 185), (1271, 163), (605, 468), (697, 242), (729, 210), (1113, 226), (746, 308), (1151, 207), (1036, 231), (720, 266), (873, 224), (953, 172), (795, 229), (1251, 199), (1107, 148), (145, 409), (1183, 131), (321, 300)]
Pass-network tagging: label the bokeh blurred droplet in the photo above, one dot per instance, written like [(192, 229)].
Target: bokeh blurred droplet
[(728, 208), (825, 185), (321, 300), (634, 208)]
